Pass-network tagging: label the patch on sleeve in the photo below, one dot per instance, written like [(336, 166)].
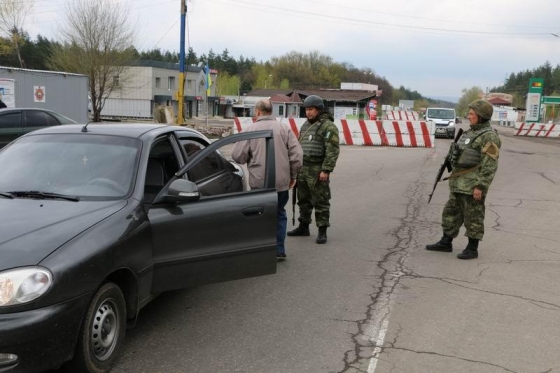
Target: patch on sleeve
[(332, 137), (491, 150)]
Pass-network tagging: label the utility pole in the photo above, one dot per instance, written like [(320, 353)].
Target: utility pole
[(181, 91)]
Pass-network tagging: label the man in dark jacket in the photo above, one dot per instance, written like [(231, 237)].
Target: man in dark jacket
[(2, 104), (475, 161), (319, 140)]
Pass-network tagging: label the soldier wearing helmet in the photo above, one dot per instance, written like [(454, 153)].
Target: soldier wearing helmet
[(320, 143), (475, 161)]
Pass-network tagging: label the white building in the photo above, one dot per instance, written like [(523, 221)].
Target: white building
[(145, 84)]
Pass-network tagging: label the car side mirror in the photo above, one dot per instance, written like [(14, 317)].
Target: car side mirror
[(182, 190)]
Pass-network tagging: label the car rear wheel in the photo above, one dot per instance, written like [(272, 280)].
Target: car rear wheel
[(102, 332)]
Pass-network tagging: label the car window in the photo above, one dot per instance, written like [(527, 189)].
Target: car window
[(214, 175), (11, 120), (206, 168), (36, 118), (78, 165), (62, 119), (162, 165)]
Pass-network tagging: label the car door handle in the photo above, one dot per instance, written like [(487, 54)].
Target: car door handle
[(253, 211)]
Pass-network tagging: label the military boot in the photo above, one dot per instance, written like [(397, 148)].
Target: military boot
[(471, 251), (322, 235), (444, 244), (301, 230)]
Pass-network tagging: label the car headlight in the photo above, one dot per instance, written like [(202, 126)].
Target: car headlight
[(451, 124), (22, 285)]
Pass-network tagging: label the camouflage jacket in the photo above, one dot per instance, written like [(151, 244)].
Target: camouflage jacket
[(320, 142), (483, 144)]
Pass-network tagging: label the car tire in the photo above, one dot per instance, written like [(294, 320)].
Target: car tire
[(102, 333)]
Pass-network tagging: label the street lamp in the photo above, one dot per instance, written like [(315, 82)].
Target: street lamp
[(266, 81)]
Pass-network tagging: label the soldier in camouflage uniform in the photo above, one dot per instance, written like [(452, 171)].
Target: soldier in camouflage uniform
[(475, 162), (320, 143)]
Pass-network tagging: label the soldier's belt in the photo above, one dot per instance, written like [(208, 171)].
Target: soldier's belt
[(460, 173)]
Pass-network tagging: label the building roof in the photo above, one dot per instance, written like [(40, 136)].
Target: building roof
[(340, 95), (165, 65), (40, 71), (269, 92), (499, 101), (279, 98), (337, 95)]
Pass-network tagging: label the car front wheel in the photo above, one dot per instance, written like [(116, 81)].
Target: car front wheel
[(102, 332)]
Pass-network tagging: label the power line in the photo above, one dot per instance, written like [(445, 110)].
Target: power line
[(426, 18), (267, 8)]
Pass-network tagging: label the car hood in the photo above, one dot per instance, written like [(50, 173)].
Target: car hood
[(32, 229), (442, 122)]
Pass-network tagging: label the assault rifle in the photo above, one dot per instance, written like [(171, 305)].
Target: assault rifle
[(446, 164)]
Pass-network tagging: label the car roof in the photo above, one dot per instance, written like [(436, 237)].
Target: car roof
[(135, 130), (25, 108)]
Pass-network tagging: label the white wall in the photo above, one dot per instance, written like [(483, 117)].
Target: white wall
[(127, 108)]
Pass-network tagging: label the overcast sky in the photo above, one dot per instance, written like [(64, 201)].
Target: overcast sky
[(436, 47)]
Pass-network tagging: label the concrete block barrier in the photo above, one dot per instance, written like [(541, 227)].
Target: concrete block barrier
[(368, 132), (401, 115), (537, 129)]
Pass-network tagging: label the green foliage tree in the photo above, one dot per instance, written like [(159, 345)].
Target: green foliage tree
[(517, 84), (469, 95), (285, 84)]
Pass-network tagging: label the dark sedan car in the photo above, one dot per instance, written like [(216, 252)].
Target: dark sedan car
[(17, 122), (97, 220)]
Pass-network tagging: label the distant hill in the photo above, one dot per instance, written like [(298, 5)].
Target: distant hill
[(450, 99)]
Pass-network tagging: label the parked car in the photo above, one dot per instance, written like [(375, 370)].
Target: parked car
[(99, 219), (17, 122), (444, 119)]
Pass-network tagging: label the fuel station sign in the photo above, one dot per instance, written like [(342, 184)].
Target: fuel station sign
[(534, 100)]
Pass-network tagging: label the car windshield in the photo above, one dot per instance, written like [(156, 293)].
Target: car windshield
[(441, 113), (79, 165)]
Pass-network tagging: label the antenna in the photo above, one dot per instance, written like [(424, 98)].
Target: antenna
[(84, 128)]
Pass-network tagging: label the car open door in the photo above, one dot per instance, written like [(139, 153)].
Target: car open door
[(219, 237)]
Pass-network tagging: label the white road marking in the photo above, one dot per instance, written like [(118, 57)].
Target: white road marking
[(380, 322)]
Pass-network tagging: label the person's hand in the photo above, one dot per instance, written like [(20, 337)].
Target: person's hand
[(323, 176), (477, 194), (292, 183)]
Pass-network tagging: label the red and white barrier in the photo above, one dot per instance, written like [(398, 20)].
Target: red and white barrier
[(368, 132), (537, 130), (401, 115)]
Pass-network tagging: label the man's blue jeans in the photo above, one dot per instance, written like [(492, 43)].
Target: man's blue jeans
[(282, 221)]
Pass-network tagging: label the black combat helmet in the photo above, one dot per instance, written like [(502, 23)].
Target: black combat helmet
[(314, 101), (482, 108)]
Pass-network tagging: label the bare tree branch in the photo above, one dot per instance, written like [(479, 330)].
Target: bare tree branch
[(98, 42), (12, 19)]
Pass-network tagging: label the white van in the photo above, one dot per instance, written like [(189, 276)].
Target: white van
[(444, 119)]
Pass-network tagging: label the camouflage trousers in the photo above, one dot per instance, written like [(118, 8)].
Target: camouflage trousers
[(463, 209), (313, 194)]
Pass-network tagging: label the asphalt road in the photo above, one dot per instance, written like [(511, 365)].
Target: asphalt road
[(373, 299)]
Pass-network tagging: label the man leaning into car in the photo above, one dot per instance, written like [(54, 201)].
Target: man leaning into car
[(288, 158)]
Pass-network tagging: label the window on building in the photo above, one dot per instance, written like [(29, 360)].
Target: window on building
[(116, 82), (171, 83), (190, 85), (281, 110), (158, 82)]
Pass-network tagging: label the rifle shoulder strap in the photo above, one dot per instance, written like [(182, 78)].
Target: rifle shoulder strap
[(459, 173)]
